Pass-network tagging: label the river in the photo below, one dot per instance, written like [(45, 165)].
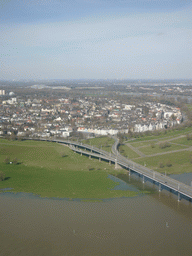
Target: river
[(154, 224)]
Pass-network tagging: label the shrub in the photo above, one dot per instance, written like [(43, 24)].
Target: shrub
[(15, 161), (7, 160), (152, 145), (161, 165), (190, 159), (169, 164), (165, 144), (189, 137)]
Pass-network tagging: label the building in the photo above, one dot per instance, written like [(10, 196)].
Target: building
[(2, 92)]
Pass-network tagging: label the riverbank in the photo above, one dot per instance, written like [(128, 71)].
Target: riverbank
[(53, 170)]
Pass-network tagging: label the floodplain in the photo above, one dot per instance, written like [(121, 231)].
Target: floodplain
[(53, 170)]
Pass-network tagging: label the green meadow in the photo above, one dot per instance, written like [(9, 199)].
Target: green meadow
[(142, 143), (183, 141), (127, 152), (164, 159), (104, 142), (53, 170), (161, 135), (180, 162), (155, 148)]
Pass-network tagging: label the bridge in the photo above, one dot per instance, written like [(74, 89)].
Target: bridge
[(162, 181)]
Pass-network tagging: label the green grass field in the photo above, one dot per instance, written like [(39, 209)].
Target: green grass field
[(148, 150), (43, 170), (143, 143), (128, 152), (183, 141), (189, 106), (180, 162), (162, 135), (104, 142), (169, 162)]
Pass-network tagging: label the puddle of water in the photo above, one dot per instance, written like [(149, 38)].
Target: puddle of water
[(122, 184), (5, 189)]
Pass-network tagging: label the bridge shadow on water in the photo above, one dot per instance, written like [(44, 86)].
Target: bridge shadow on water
[(136, 181)]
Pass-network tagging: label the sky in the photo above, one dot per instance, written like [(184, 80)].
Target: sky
[(95, 39)]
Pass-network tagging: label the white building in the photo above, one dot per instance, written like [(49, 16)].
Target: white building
[(2, 92)]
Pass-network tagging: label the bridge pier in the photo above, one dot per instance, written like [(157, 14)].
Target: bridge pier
[(143, 179), (99, 159), (179, 197), (115, 163), (89, 156), (159, 187), (109, 162)]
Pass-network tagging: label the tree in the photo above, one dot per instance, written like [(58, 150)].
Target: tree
[(12, 136), (15, 161), (7, 160), (165, 144), (189, 137), (169, 164), (2, 176), (161, 165), (173, 117), (145, 110), (154, 115), (121, 140), (63, 153)]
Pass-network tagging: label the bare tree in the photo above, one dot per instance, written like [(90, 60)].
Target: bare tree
[(15, 161), (2, 176), (7, 160)]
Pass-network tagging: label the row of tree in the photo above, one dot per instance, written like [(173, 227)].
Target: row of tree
[(7, 160)]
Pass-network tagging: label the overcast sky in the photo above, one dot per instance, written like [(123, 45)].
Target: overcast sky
[(71, 39)]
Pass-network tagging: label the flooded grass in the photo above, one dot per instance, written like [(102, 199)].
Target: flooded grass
[(43, 171)]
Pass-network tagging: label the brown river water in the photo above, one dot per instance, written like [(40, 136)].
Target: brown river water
[(154, 224)]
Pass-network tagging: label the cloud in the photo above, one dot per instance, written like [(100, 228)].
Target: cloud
[(92, 30), (99, 45)]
